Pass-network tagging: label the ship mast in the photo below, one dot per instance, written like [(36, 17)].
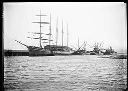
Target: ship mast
[(40, 27), (78, 42), (67, 35), (57, 31), (50, 31), (85, 45), (62, 33), (40, 30)]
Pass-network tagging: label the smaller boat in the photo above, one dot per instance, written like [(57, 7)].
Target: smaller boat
[(81, 50)]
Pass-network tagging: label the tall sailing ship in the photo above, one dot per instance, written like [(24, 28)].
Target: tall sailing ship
[(48, 50), (60, 49), (40, 51)]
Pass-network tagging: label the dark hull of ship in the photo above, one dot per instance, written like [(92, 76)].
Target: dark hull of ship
[(79, 52), (60, 50), (62, 53), (37, 51)]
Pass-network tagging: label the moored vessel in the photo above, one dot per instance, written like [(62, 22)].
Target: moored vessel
[(40, 51), (47, 50)]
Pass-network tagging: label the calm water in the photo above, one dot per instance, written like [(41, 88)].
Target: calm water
[(64, 73)]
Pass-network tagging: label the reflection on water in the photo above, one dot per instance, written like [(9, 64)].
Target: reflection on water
[(64, 73)]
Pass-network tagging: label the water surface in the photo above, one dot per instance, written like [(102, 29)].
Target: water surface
[(64, 73)]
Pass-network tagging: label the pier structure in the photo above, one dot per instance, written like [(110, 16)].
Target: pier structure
[(16, 53)]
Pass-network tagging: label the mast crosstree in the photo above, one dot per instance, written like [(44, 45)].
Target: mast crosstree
[(40, 22)]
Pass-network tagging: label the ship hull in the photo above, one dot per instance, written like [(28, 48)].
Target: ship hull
[(79, 52), (62, 53), (37, 51), (60, 50)]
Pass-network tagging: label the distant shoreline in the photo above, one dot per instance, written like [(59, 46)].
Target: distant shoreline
[(26, 53)]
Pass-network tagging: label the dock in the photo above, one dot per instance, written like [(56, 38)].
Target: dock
[(16, 53)]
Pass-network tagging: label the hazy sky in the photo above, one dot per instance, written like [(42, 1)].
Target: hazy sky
[(91, 22)]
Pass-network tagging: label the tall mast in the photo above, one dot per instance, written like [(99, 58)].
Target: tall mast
[(40, 30), (62, 33), (40, 26), (50, 31), (57, 31), (67, 35), (78, 42), (84, 46)]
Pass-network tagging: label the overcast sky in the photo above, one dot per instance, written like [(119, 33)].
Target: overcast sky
[(91, 22)]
